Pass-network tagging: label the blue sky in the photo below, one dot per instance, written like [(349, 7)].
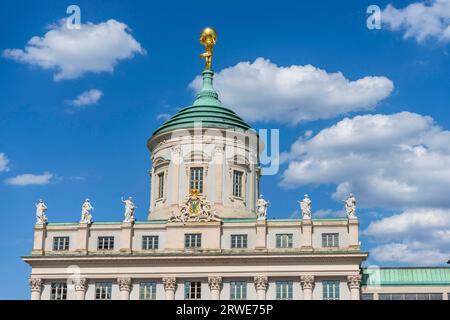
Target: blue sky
[(385, 123)]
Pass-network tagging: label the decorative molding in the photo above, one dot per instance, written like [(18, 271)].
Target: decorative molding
[(196, 209), (170, 283), (261, 282), (354, 282), (307, 282), (36, 284), (215, 283), (124, 284), (81, 284)]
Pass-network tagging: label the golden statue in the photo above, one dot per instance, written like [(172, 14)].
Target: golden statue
[(208, 39)]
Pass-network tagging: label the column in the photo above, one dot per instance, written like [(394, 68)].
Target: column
[(36, 288), (215, 285), (80, 288), (354, 284), (307, 283), (124, 288), (261, 284), (170, 286)]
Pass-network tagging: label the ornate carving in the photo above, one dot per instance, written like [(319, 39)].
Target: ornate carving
[(196, 208), (215, 283), (305, 206), (307, 282), (124, 284), (129, 209), (350, 206), (261, 282), (86, 208), (41, 208), (261, 208), (36, 284), (169, 283), (81, 284), (354, 282)]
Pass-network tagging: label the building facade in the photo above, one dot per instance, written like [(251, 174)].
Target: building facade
[(207, 235)]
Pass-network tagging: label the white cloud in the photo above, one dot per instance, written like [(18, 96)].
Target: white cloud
[(415, 236), (420, 20), (263, 91), (30, 179), (163, 116), (73, 52), (4, 161), (389, 161), (87, 98)]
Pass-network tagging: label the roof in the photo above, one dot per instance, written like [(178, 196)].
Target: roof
[(406, 276), (206, 111)]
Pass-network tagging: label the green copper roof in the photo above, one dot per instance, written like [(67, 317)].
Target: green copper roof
[(206, 111), (406, 276)]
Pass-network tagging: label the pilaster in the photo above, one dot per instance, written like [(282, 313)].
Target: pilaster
[(126, 237), (39, 238)]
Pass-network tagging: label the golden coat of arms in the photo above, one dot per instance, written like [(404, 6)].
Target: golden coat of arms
[(196, 208)]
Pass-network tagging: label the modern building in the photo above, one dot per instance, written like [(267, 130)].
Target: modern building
[(207, 235)]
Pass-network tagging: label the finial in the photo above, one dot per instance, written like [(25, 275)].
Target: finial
[(208, 39)]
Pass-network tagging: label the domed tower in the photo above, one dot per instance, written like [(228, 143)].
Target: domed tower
[(206, 152)]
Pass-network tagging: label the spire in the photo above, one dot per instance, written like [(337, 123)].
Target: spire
[(207, 96)]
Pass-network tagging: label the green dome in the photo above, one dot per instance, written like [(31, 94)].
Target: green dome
[(207, 111)]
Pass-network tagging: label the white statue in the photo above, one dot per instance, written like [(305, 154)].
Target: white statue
[(305, 206), (41, 208), (129, 209), (86, 208), (350, 206), (261, 208)]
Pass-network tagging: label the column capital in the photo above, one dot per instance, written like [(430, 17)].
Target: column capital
[(124, 284), (215, 283), (307, 281), (261, 282), (36, 284), (81, 284), (170, 283), (354, 281)]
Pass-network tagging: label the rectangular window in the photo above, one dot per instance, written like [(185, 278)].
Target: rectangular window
[(60, 243), (284, 240), (330, 239), (192, 290), (193, 240), (103, 290), (196, 179), (238, 290), (238, 241), (147, 290), (237, 183), (367, 296), (331, 289), (150, 242), (284, 290), (58, 291), (410, 296), (160, 185), (105, 243)]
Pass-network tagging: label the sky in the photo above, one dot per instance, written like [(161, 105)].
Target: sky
[(358, 109)]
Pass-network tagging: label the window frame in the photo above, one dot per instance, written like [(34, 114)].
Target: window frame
[(103, 290), (198, 184), (238, 290), (160, 181), (330, 240), (197, 290), (238, 241), (154, 241), (58, 291), (61, 243), (197, 241), (238, 192), (336, 289), (279, 240), (147, 290), (284, 290), (101, 244)]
